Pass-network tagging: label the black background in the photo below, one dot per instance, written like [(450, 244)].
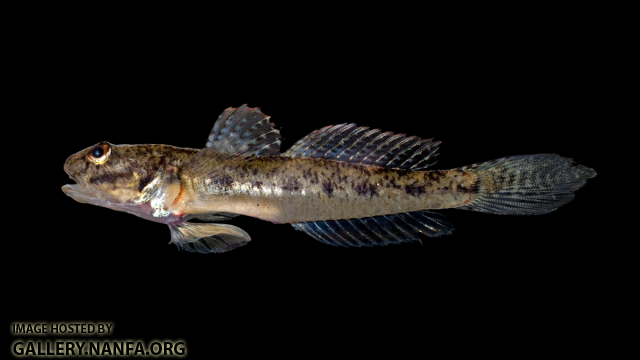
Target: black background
[(485, 94)]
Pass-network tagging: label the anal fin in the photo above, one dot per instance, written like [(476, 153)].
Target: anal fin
[(208, 238), (378, 230)]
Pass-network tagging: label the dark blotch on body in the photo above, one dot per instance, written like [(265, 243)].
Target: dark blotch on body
[(414, 190), (223, 181), (364, 189), (328, 189), (290, 184), (393, 184), (433, 175)]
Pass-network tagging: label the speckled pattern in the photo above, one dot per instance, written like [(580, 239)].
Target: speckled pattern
[(289, 190)]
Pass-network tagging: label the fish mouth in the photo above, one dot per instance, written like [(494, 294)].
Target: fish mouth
[(78, 193), (87, 195), (83, 194), (72, 190)]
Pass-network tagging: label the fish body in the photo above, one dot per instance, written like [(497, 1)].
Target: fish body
[(343, 185), (293, 190)]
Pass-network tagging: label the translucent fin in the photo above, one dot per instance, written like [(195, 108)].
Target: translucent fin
[(378, 230), (207, 238), (222, 216), (243, 131), (151, 187), (359, 145), (525, 185)]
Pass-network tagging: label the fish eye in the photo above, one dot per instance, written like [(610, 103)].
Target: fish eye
[(99, 153)]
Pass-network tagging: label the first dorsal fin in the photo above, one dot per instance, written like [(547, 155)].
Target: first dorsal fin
[(243, 131), (359, 145), (237, 133)]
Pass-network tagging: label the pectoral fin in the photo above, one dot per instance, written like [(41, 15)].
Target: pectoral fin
[(208, 238)]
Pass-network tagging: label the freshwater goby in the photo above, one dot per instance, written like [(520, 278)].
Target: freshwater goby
[(343, 185)]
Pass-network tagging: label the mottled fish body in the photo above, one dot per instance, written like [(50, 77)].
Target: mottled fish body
[(293, 190), (343, 185)]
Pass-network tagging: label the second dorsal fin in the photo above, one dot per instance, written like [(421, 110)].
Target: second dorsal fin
[(359, 145)]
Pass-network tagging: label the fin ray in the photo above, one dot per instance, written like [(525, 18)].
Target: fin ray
[(377, 230), (208, 238), (525, 184), (387, 229), (241, 132), (360, 145), (237, 133)]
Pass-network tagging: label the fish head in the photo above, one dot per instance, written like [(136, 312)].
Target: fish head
[(108, 174)]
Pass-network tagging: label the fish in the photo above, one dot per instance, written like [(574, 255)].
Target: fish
[(343, 185)]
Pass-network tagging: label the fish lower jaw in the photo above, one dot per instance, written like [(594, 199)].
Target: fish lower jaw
[(80, 194), (144, 210)]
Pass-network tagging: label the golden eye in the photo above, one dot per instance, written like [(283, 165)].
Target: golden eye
[(99, 153)]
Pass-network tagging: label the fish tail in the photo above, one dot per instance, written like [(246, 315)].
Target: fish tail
[(525, 185)]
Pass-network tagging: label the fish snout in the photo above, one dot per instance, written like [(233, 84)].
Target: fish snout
[(72, 166), (67, 165)]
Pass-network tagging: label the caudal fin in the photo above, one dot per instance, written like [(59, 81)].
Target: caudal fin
[(525, 185)]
